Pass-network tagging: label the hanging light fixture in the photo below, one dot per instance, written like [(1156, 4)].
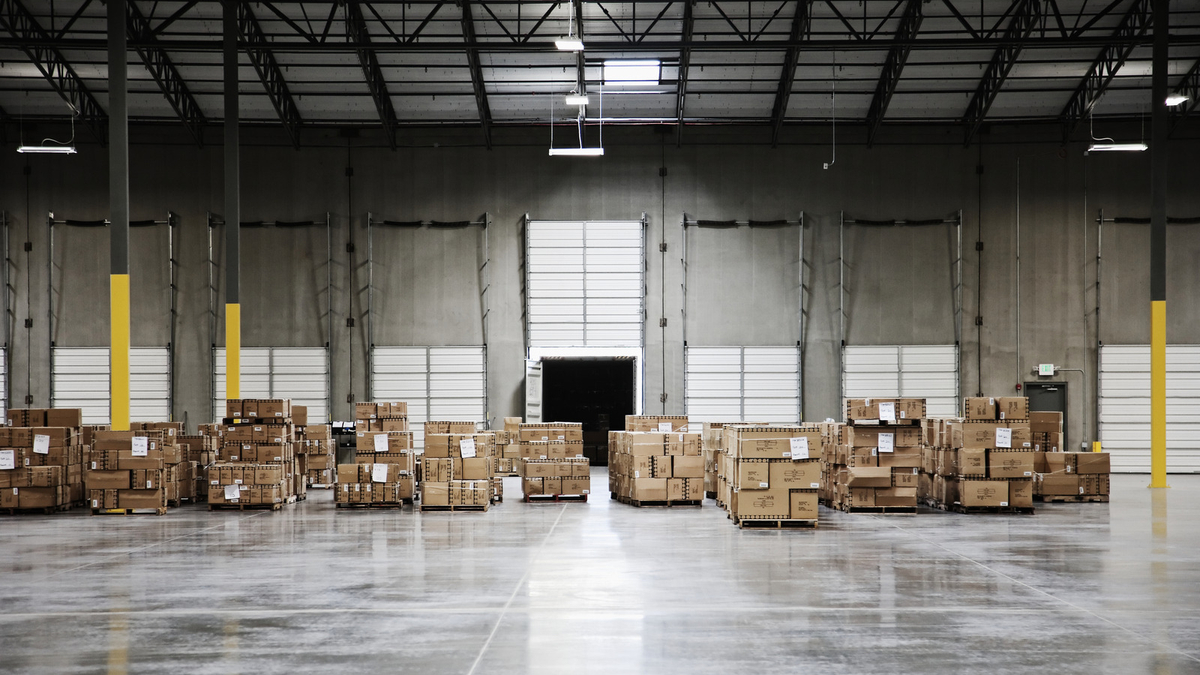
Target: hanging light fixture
[(49, 146), (1118, 147), (1176, 99), (570, 43)]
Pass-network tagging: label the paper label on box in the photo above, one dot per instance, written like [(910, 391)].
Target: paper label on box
[(585, 492), (887, 412), (764, 485), (1003, 503), (991, 401), (1001, 414), (95, 503), (149, 485), (141, 446), (381, 444), (815, 486), (1003, 437), (379, 473), (799, 447), (887, 442), (231, 492), (41, 444), (467, 446), (637, 474), (665, 426), (8, 459)]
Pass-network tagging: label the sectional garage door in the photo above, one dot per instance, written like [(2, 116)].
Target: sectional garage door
[(909, 371), (81, 380), (298, 373), (729, 384), (1125, 407), (438, 383)]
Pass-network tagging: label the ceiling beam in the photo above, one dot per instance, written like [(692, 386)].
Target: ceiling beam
[(1189, 86), (685, 62), (356, 33), (160, 67), (1135, 23), (800, 25), (269, 73), (1025, 17), (889, 78), (481, 101), (24, 28)]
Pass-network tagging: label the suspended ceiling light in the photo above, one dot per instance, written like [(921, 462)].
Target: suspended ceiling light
[(47, 149), (576, 152), (1117, 147), (569, 44), (632, 72), (577, 99), (1176, 99)]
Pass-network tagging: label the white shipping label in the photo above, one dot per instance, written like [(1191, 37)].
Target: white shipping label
[(231, 492), (1003, 503), (887, 442), (379, 473), (665, 426), (637, 474), (467, 446), (887, 412), (799, 447), (141, 446), (1003, 437), (149, 485), (8, 459), (764, 485), (41, 444), (381, 444)]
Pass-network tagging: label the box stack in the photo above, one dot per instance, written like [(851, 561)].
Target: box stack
[(556, 479), (656, 468), (656, 423), (128, 471), (711, 436), (508, 448), (458, 466), (41, 460), (875, 457), (180, 480), (256, 461), (550, 440), (383, 474), (772, 474), (1073, 477), (984, 463), (199, 451), (320, 455)]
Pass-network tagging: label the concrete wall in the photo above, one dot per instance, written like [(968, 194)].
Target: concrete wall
[(742, 284)]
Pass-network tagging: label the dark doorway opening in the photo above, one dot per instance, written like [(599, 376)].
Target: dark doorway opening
[(1049, 397), (598, 392)]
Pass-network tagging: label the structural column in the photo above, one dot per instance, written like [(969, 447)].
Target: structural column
[(233, 310), (1158, 250), (118, 204)]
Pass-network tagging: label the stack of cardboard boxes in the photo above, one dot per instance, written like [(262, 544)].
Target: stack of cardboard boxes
[(41, 459), (508, 447), (711, 435), (319, 455), (256, 462), (568, 478), (654, 468), (458, 467), (200, 451), (134, 470), (770, 474), (1074, 477), (180, 480), (384, 470), (875, 457)]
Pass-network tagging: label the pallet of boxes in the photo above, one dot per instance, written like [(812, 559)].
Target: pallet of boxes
[(1065, 476), (508, 450), (711, 435), (41, 460), (876, 456), (180, 479), (656, 461), (199, 451), (316, 452), (985, 463), (457, 468), (256, 463), (552, 465), (384, 471), (137, 471), (773, 475)]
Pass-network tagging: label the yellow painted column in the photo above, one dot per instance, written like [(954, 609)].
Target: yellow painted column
[(233, 351), (119, 354), (1158, 394)]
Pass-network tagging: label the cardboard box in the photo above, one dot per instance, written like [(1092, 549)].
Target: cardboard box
[(648, 489), (1045, 422), (764, 504), (1090, 462), (1020, 493), (1010, 464), (475, 468), (1059, 484), (804, 505), (668, 423), (972, 493), (141, 499), (576, 486), (869, 437), (435, 493), (979, 408), (774, 442), (868, 477), (905, 477), (233, 408), (896, 496), (1012, 408), (753, 475), (64, 417), (804, 475)]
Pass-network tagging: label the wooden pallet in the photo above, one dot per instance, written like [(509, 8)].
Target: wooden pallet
[(129, 512), (320, 486), (245, 507), (459, 507), (905, 422), (44, 511), (642, 504), (973, 510), (555, 498), (1071, 499), (754, 523), (710, 495), (878, 509), (375, 505)]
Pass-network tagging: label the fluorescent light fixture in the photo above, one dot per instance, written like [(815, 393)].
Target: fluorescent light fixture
[(569, 44), (576, 152), (47, 149), (1176, 99), (1118, 147), (577, 99), (632, 72)]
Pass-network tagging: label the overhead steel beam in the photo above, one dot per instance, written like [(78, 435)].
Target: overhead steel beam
[(1190, 86), (269, 73), (1137, 20), (32, 39), (685, 62), (1025, 17), (800, 25), (481, 102), (910, 23), (160, 67), (356, 33)]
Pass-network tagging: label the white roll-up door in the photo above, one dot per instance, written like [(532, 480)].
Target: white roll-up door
[(1125, 407), (81, 380), (297, 373), (904, 371), (585, 283), (438, 383), (728, 384)]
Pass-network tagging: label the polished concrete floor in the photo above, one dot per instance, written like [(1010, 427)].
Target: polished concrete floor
[(606, 588)]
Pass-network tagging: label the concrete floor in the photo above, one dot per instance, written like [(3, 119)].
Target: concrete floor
[(606, 588)]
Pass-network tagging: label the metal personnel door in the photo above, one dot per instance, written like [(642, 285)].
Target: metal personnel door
[(728, 384), (910, 371), (1125, 407), (81, 380), (297, 373), (438, 383)]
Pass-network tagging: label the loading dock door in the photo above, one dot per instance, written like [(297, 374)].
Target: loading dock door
[(1125, 407), (728, 384), (910, 371)]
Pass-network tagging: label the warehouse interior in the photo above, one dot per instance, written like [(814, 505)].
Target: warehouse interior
[(748, 212)]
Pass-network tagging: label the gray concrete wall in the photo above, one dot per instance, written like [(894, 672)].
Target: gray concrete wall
[(742, 283)]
